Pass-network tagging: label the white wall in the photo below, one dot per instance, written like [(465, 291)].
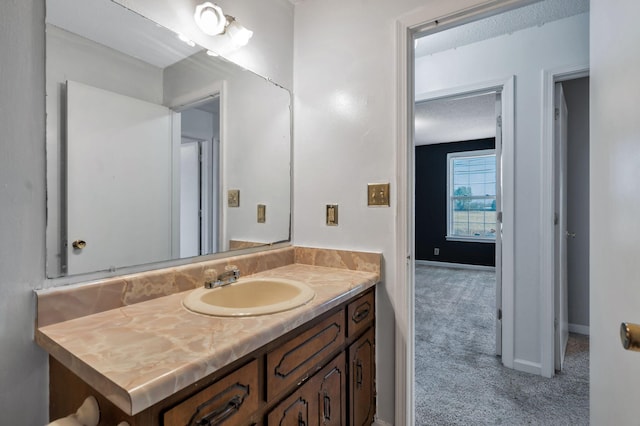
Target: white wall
[(23, 365), (524, 54), (344, 137)]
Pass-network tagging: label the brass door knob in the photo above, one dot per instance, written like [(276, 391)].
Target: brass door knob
[(630, 336), (79, 244)]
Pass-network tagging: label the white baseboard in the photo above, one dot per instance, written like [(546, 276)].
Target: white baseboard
[(455, 265), (579, 329), (527, 366), (378, 422)]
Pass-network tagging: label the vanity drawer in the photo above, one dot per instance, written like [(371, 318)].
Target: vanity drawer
[(230, 401), (360, 313), (299, 357)]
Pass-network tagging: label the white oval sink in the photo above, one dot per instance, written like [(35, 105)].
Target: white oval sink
[(249, 297)]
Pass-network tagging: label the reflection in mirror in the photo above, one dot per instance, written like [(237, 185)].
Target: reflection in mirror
[(147, 137)]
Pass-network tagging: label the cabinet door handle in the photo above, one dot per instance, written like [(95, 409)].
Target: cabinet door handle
[(300, 421), (327, 406), (359, 373), (222, 413)]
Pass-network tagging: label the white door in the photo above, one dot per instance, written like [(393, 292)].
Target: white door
[(119, 181), (615, 209), (190, 208), (560, 200)]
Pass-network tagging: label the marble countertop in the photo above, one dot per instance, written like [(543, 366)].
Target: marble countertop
[(137, 355)]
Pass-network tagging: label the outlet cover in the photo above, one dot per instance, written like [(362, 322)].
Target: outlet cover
[(378, 194), (233, 198), (262, 213)]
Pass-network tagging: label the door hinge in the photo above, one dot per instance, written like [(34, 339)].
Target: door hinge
[(499, 217), (557, 113), (499, 314), (499, 121)]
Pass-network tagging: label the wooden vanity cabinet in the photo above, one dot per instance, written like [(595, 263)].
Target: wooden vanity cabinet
[(320, 374)]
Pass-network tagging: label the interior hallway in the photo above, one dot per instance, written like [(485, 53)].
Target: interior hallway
[(460, 380)]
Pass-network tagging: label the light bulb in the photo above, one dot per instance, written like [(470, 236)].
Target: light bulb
[(210, 18), (239, 34)]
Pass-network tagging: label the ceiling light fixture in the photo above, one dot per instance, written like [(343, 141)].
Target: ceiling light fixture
[(210, 18)]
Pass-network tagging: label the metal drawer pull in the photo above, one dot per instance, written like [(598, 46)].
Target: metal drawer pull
[(630, 336), (359, 374), (221, 414), (327, 406), (361, 313)]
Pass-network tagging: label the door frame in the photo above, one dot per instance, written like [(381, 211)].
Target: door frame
[(504, 290), (432, 18), (547, 193), (188, 100)]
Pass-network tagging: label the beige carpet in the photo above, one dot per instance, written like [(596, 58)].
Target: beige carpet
[(460, 380)]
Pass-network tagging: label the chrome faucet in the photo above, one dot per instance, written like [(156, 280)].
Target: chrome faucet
[(225, 278)]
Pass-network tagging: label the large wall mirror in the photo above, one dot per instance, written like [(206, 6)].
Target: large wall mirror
[(156, 148)]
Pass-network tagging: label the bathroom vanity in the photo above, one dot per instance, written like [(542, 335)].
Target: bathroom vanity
[(156, 363)]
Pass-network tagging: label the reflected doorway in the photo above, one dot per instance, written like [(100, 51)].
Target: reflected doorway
[(199, 178)]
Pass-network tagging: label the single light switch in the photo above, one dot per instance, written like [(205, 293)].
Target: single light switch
[(378, 194), (332, 215), (262, 213)]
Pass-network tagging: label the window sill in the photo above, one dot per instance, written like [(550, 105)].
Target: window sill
[(471, 239)]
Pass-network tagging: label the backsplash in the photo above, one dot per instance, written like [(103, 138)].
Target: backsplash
[(65, 303)]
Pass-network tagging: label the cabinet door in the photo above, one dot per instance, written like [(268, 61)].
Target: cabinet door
[(362, 403), (294, 411), (320, 401), (331, 393)]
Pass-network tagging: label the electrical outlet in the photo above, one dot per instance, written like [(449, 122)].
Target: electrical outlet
[(436, 251), (332, 215)]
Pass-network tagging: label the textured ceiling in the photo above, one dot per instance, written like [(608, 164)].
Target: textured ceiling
[(454, 120), (525, 17)]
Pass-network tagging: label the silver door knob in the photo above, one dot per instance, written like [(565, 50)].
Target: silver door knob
[(630, 336)]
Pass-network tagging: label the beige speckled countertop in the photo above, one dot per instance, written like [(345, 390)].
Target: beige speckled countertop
[(139, 354)]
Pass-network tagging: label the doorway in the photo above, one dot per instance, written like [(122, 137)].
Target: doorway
[(529, 349), (571, 206), (200, 177)]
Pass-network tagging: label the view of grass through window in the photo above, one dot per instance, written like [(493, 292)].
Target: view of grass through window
[(472, 196)]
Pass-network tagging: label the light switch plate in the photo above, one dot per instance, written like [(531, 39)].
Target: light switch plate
[(262, 213), (332, 215), (233, 198), (378, 194)]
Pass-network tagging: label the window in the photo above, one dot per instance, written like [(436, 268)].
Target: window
[(471, 192)]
